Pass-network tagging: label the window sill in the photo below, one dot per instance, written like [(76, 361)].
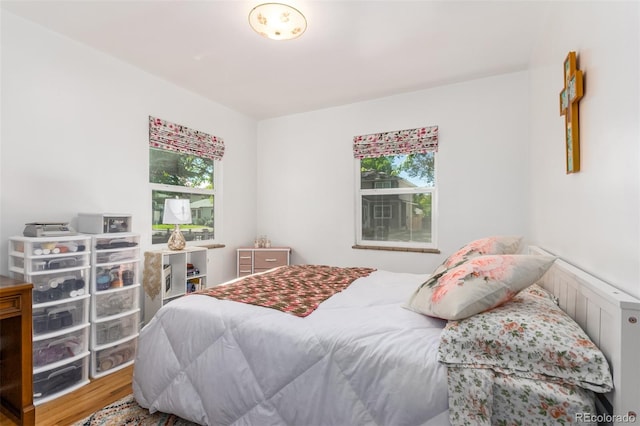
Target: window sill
[(408, 249), (211, 246)]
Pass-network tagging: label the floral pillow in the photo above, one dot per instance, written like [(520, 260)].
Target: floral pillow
[(530, 336), (478, 284), (483, 246)]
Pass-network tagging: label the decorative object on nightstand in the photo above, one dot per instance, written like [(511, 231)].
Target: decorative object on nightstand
[(176, 212), (259, 259)]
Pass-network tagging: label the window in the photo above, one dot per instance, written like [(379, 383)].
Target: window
[(396, 190), (182, 165)]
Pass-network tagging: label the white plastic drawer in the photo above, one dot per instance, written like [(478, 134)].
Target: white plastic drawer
[(60, 285), (49, 246), (114, 302), (111, 331), (56, 317), (118, 255), (116, 241), (113, 358), (51, 263), (58, 348), (116, 275), (60, 380)]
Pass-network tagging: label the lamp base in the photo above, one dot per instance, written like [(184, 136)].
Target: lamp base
[(176, 240)]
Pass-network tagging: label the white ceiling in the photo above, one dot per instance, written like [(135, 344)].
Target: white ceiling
[(352, 50)]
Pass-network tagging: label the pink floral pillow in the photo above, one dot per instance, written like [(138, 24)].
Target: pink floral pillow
[(477, 285), (483, 246)]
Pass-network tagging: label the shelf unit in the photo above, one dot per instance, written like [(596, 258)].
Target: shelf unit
[(115, 302), (170, 274), (58, 267)]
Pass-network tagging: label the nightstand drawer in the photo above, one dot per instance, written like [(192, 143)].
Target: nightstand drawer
[(270, 259), (251, 260), (245, 258)]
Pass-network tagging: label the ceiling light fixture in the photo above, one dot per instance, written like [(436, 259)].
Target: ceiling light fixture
[(277, 21)]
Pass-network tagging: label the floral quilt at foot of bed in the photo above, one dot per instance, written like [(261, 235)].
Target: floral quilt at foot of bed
[(481, 396)]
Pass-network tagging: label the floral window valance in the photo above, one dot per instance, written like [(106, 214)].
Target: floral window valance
[(174, 137), (412, 141)]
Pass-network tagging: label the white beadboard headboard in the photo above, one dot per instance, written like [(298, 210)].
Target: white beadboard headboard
[(611, 318)]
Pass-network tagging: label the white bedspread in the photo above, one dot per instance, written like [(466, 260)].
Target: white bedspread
[(359, 359)]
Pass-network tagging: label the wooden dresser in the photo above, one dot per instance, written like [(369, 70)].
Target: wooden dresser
[(251, 260), (16, 371)]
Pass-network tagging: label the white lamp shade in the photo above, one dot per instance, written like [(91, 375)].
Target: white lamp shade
[(176, 212), (277, 21)]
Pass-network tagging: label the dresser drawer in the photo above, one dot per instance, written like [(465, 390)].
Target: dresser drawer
[(270, 259), (245, 257)]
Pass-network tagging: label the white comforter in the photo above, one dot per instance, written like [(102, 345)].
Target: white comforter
[(359, 359)]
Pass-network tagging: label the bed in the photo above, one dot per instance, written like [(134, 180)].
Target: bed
[(361, 357)]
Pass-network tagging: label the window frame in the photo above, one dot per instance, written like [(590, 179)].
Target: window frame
[(216, 192), (359, 193)]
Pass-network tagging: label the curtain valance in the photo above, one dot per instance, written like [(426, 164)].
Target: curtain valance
[(174, 137), (411, 141)]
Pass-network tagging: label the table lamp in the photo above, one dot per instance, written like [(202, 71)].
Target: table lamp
[(176, 212)]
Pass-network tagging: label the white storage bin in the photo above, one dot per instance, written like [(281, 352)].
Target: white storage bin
[(116, 255), (98, 223), (112, 358), (54, 317), (112, 330), (115, 241), (116, 275), (58, 348), (44, 264), (60, 285), (51, 383), (113, 302)]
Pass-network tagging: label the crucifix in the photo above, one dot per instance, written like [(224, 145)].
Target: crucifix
[(569, 97)]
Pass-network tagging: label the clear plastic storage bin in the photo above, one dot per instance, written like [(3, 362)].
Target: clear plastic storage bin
[(113, 358), (56, 317), (115, 241), (110, 256), (113, 330), (55, 382), (114, 302), (116, 275), (58, 348), (60, 285)]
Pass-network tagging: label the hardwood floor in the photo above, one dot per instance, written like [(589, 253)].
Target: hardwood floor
[(6, 421), (79, 404)]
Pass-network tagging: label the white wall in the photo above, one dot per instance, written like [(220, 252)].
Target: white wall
[(306, 170), (592, 218), (75, 139)]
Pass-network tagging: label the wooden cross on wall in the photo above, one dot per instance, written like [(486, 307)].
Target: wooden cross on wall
[(569, 97)]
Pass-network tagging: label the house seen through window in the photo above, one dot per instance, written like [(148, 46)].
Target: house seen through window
[(174, 174), (396, 188), (396, 199)]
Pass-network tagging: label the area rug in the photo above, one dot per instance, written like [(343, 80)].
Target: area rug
[(126, 411)]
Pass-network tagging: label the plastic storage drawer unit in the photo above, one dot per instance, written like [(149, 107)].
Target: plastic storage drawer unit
[(51, 383), (55, 318), (57, 348), (112, 358), (113, 302), (113, 330)]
